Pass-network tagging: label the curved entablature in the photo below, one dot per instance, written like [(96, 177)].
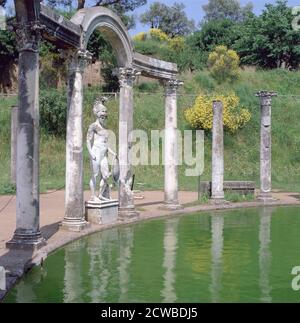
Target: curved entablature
[(154, 68), (111, 25)]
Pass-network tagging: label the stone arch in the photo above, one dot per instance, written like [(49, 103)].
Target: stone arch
[(110, 24)]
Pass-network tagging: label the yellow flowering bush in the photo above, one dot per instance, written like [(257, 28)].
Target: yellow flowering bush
[(140, 36), (158, 34), (200, 116), (177, 43), (224, 64)]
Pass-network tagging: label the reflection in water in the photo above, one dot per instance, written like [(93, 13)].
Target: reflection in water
[(73, 274), (265, 255), (25, 294), (217, 227), (175, 260), (126, 245), (170, 247), (101, 250)]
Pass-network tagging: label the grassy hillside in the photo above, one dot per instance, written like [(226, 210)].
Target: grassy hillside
[(241, 150)]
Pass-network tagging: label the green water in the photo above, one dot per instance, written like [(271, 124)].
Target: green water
[(236, 256)]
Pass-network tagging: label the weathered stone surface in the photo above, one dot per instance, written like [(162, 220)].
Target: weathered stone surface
[(218, 152), (126, 198), (171, 145), (155, 68), (59, 30), (27, 234), (266, 145), (102, 213), (74, 211), (109, 24)]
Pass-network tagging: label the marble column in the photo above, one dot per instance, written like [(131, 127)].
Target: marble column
[(127, 77), (74, 219), (265, 146), (27, 234), (171, 200), (218, 153)]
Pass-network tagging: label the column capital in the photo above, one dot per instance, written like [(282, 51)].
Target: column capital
[(28, 35), (126, 75), (266, 96), (77, 59), (172, 85)]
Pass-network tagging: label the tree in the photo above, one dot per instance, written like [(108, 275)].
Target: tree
[(226, 9), (269, 40), (155, 16), (125, 5), (171, 20), (214, 33), (8, 58), (121, 7)]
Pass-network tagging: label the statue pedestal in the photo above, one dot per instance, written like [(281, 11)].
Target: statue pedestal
[(102, 213)]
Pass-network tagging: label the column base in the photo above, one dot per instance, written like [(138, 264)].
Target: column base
[(126, 214), (218, 201), (23, 240), (265, 198), (173, 206), (74, 225)]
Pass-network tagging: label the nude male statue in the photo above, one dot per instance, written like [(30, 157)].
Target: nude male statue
[(97, 144)]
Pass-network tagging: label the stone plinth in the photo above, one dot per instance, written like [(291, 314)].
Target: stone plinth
[(102, 213)]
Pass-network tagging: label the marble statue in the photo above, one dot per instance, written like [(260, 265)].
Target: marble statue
[(97, 144)]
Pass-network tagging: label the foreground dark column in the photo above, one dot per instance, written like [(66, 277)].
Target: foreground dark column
[(74, 219), (266, 146), (126, 199), (27, 234), (218, 154), (171, 145)]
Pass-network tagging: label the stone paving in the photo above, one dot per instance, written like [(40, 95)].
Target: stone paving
[(52, 213)]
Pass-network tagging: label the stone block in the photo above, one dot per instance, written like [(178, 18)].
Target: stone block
[(102, 213), (2, 279)]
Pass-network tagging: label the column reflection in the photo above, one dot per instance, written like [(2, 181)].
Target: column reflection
[(170, 247), (217, 245), (126, 245), (265, 255)]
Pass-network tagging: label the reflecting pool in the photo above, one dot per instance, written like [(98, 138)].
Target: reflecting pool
[(234, 256)]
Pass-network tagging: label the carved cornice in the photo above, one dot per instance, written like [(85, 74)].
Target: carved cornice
[(126, 76)]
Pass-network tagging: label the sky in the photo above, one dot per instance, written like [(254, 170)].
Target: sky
[(193, 9)]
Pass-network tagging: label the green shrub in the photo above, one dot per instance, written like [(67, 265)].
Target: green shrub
[(224, 64), (53, 112), (148, 87)]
